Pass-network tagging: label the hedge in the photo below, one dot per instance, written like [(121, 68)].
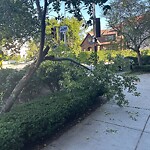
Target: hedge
[(143, 68), (36, 120), (145, 60)]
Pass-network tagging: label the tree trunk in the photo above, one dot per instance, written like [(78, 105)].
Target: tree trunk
[(139, 57), (8, 103)]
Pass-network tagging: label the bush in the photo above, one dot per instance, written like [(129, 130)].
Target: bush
[(51, 73), (9, 79), (143, 68), (124, 53), (146, 60), (36, 120), (5, 86)]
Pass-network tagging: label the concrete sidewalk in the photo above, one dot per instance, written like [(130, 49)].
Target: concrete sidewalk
[(111, 127)]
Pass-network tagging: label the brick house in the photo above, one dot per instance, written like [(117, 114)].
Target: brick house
[(109, 40)]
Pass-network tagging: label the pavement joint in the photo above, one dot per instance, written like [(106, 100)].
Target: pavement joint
[(139, 108), (142, 132), (118, 125)]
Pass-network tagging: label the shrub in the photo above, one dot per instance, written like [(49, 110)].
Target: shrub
[(125, 53), (134, 59), (143, 68), (51, 73), (36, 120), (146, 60), (10, 77), (119, 63), (5, 86)]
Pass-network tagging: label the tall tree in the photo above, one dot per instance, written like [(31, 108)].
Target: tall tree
[(131, 19), (37, 10), (18, 23)]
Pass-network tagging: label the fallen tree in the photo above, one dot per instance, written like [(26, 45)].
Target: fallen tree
[(36, 11)]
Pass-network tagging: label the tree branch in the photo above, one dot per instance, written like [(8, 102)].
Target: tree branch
[(53, 58), (39, 9), (144, 39), (45, 52), (42, 37), (129, 47)]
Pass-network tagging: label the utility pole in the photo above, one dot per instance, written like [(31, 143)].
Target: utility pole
[(97, 33), (94, 32), (94, 18)]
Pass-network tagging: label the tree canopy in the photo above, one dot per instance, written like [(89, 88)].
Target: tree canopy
[(26, 18), (18, 19), (131, 19), (74, 35), (21, 20)]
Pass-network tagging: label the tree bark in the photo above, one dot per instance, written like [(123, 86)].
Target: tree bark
[(8, 103), (139, 58), (53, 58), (26, 78)]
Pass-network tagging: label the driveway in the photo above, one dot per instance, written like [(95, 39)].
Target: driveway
[(111, 127)]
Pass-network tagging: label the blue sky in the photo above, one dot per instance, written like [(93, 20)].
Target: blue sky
[(86, 16), (98, 12)]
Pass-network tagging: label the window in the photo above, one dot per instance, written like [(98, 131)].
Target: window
[(89, 48), (90, 40), (110, 37)]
